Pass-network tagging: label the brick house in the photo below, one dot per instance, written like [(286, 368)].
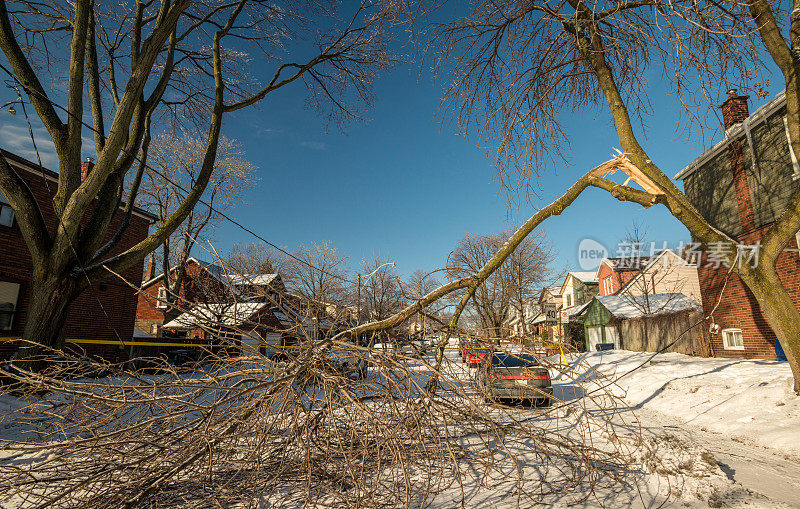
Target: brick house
[(741, 185), (204, 283), (87, 325), (614, 273)]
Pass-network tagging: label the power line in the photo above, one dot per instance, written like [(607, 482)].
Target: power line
[(180, 186), (60, 220)]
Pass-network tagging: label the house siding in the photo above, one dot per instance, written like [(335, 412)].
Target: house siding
[(745, 208)]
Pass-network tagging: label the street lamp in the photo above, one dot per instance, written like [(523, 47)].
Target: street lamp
[(358, 305)]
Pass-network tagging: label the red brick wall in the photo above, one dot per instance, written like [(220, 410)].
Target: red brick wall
[(86, 319), (197, 287), (618, 278), (738, 307)]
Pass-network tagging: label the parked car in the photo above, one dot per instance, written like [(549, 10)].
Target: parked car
[(516, 377), (384, 348), (465, 346), (475, 356)]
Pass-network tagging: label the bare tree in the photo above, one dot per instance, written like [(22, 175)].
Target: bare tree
[(528, 268), (255, 258), (511, 286), (520, 66), (127, 64), (179, 160), (317, 272), (380, 292), (419, 284), (653, 278)]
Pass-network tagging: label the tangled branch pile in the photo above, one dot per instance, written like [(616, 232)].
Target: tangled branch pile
[(248, 430)]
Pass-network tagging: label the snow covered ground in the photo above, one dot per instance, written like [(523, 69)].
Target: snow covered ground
[(706, 432), (750, 401)]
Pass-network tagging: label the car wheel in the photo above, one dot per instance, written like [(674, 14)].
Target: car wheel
[(543, 402)]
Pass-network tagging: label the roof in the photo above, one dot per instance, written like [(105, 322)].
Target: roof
[(633, 306), (577, 310), (585, 277), (251, 279), (229, 315), (626, 263), (214, 270), (53, 176), (219, 273), (759, 116), (653, 260)]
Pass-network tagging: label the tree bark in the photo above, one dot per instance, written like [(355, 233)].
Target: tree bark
[(780, 311), (50, 299)]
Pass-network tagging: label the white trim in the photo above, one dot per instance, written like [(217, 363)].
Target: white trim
[(760, 115), (725, 339), (795, 164)]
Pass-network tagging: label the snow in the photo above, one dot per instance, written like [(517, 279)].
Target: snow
[(627, 306), (748, 400), (586, 277), (746, 404), (252, 279), (226, 314)]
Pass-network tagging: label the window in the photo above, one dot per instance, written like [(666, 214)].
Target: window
[(608, 286), (569, 300), (6, 212), (9, 292), (162, 298), (732, 339)]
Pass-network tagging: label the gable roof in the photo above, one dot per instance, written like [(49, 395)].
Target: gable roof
[(626, 263), (652, 261), (626, 306), (584, 277), (228, 315), (735, 131), (30, 166), (226, 278), (214, 270)]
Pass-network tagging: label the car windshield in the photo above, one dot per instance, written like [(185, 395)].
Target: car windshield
[(514, 361)]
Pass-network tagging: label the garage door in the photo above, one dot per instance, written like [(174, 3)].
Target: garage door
[(595, 335), (612, 336)]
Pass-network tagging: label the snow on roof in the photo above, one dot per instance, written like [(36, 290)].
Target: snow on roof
[(585, 277), (577, 310), (252, 279), (539, 319), (214, 270), (229, 315), (637, 306)]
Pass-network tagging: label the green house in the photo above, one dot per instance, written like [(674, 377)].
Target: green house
[(642, 323), (597, 326)]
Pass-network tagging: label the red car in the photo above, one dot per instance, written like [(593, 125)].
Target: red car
[(474, 356)]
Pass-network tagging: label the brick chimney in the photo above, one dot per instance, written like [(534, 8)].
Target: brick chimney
[(734, 109), (86, 167), (150, 273)]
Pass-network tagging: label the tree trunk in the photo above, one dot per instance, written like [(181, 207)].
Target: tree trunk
[(50, 300), (781, 313)]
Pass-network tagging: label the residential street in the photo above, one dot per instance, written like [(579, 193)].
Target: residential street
[(747, 472)]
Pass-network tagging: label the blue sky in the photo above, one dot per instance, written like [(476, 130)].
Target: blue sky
[(406, 186)]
